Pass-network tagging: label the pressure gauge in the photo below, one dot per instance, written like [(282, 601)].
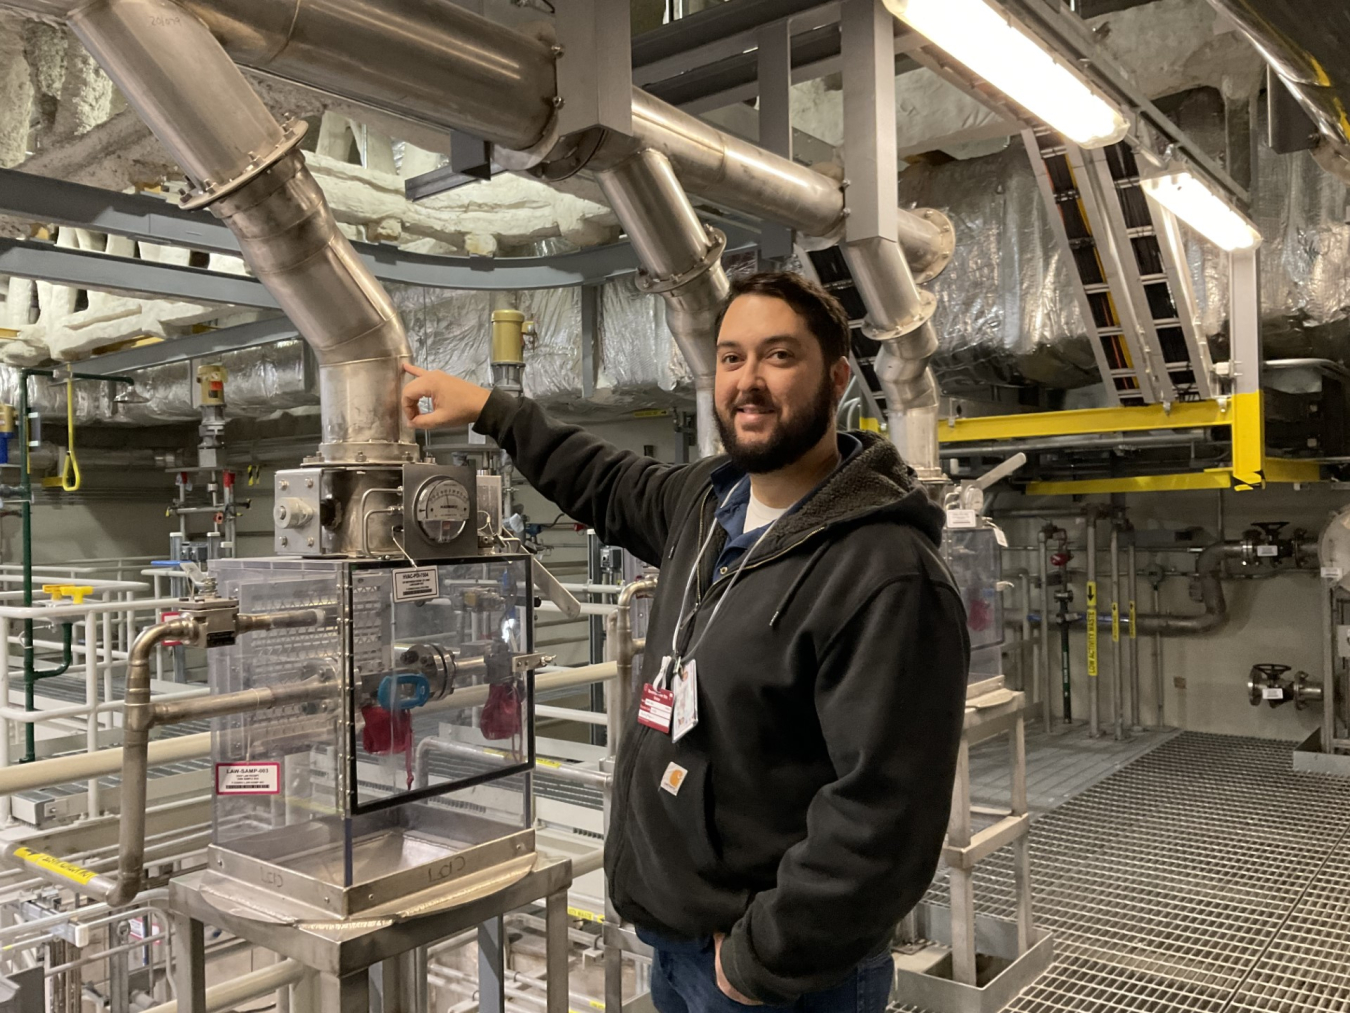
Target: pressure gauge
[(441, 509)]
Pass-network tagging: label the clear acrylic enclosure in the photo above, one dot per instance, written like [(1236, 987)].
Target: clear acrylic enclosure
[(422, 746), (976, 563)]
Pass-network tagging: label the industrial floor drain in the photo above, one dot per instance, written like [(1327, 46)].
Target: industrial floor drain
[(1202, 876)]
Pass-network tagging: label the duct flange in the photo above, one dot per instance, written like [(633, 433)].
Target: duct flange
[(210, 191), (924, 313), (651, 285), (942, 247)]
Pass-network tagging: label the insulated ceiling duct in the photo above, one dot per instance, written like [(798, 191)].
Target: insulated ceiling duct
[(1306, 42)]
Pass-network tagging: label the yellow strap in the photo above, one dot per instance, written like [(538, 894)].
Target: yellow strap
[(70, 473)]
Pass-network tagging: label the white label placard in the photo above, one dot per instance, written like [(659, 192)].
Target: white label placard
[(416, 585), (248, 778), (1000, 537), (1332, 573), (1272, 693), (1267, 550), (963, 519)]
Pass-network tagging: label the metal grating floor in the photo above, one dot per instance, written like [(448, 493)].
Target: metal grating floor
[(1203, 876), (1060, 764)]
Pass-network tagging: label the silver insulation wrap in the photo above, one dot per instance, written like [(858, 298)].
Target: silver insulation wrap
[(1006, 306)]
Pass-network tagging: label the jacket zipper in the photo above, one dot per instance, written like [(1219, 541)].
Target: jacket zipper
[(625, 774), (761, 562)]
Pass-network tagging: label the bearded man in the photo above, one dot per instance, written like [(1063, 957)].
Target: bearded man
[(781, 796)]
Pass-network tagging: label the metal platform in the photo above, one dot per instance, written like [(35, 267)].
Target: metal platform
[(1202, 876)]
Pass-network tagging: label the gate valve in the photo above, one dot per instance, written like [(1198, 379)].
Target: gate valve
[(1266, 683)]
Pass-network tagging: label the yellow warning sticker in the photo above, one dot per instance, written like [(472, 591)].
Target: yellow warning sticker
[(1134, 629), (540, 761), (584, 915), (1115, 623), (66, 870), (1092, 628)]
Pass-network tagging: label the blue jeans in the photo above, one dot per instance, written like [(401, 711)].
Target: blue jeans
[(684, 980)]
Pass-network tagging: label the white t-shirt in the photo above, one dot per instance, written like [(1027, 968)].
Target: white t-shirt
[(757, 514)]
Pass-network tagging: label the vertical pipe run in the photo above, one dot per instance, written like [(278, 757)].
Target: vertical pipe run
[(1094, 720), (1159, 687), (1136, 704), (1043, 544), (1330, 666), (91, 701), (681, 262), (246, 168), (1117, 666), (1028, 682)]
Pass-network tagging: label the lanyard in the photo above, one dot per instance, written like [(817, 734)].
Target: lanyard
[(693, 575)]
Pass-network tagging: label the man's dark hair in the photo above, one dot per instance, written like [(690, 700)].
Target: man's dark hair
[(824, 316)]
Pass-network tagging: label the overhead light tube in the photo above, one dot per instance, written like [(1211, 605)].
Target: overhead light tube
[(1195, 202), (989, 43)]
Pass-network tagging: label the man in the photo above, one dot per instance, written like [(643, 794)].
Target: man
[(771, 831)]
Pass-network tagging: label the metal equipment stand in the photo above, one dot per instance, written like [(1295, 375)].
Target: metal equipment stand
[(991, 959), (341, 952)]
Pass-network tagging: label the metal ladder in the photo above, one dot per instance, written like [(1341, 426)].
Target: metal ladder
[(1134, 287)]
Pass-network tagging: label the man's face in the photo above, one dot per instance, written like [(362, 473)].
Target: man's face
[(774, 396)]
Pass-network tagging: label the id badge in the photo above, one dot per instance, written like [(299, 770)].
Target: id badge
[(685, 688), (654, 709)]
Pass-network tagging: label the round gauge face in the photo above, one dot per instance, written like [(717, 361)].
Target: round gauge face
[(441, 509)]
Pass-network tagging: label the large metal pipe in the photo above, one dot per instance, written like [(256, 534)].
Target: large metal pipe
[(81, 766), (1305, 42), (1209, 573), (1117, 660), (1047, 677), (898, 315), (681, 261), (1094, 661), (233, 993), (622, 702), (246, 168), (137, 718)]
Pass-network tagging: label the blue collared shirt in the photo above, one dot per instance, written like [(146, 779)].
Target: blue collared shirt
[(731, 513)]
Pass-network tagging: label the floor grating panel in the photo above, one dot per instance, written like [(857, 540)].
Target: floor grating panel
[(1203, 875)]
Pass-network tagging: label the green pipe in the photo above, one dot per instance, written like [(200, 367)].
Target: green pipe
[(31, 674)]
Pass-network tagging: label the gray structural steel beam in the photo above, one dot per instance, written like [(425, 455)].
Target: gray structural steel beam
[(726, 22), (149, 218), (193, 346), (104, 273)]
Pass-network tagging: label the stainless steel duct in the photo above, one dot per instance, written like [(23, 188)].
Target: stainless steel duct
[(247, 169), (1305, 41), (681, 262), (437, 65), (898, 315)]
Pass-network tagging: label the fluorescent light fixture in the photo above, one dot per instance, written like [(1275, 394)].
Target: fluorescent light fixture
[(991, 45), (1191, 199)]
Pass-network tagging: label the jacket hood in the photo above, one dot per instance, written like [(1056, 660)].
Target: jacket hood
[(874, 480)]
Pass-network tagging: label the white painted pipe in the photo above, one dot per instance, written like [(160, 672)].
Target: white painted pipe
[(571, 714), (80, 766), (229, 994)]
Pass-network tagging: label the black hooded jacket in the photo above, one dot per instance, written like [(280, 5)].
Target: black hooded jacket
[(831, 694)]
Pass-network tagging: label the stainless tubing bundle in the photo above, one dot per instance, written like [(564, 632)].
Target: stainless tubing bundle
[(681, 261), (245, 167), (141, 715)]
